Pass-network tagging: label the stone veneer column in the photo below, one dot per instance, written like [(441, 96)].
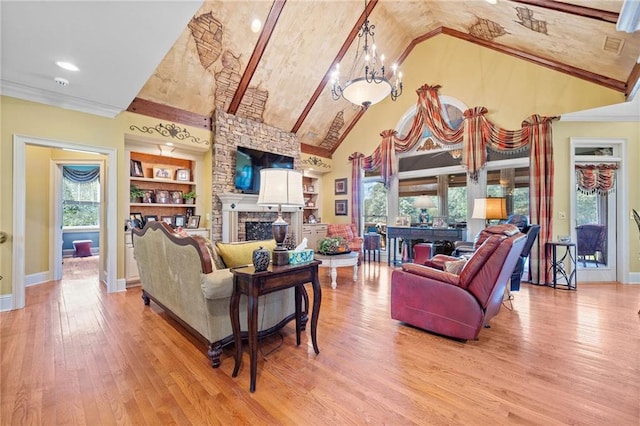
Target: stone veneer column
[(231, 131)]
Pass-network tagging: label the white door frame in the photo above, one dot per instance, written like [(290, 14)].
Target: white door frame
[(55, 215), (20, 143), (619, 146)]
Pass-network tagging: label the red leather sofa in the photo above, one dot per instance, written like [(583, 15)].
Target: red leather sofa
[(458, 306)]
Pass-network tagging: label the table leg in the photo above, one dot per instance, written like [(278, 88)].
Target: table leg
[(334, 277), (252, 326), (355, 272), (317, 297), (298, 294), (234, 310)]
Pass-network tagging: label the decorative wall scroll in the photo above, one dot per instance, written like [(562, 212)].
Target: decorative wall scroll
[(170, 131)]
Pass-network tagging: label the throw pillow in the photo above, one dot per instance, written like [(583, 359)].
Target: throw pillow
[(215, 258), (240, 254), (455, 266)]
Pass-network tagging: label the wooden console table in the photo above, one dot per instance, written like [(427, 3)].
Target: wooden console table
[(419, 232), (254, 284)]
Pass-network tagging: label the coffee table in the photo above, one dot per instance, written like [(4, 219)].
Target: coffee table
[(337, 260)]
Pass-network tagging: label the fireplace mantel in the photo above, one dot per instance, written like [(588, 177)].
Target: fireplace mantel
[(233, 203)]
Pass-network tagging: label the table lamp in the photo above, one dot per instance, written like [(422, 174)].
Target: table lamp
[(489, 209), (280, 187), (423, 203)]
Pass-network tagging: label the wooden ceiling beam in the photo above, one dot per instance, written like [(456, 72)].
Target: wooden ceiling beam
[(314, 150), (256, 56), (165, 112), (573, 9), (343, 51)]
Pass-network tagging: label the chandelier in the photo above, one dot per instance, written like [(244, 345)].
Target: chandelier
[(373, 86)]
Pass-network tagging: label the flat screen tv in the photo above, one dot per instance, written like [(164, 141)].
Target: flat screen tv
[(249, 162)]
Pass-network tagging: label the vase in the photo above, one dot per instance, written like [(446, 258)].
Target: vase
[(260, 259)]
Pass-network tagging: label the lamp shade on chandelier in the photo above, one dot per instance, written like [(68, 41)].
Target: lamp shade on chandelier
[(373, 85)]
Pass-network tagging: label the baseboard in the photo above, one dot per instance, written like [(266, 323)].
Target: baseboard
[(39, 278), (634, 278), (122, 285), (6, 302)]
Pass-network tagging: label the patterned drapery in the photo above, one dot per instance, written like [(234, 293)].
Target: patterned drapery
[(477, 134), (81, 174), (596, 178)]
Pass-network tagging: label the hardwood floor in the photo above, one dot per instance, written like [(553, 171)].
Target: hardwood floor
[(76, 355)]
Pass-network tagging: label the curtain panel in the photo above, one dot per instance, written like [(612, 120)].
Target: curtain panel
[(477, 134)]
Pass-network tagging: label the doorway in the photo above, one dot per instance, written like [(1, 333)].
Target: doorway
[(108, 270), (597, 207)]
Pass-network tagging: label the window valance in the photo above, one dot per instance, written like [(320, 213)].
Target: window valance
[(596, 178)]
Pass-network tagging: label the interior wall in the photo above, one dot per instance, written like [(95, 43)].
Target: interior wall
[(511, 89), (37, 210)]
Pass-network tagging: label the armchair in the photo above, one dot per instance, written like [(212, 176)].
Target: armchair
[(531, 232), (591, 239), (349, 233), (453, 305)]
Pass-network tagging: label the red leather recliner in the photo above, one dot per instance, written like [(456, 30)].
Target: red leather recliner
[(457, 306)]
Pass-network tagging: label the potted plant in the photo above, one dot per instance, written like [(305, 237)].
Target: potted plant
[(135, 194), (333, 245), (189, 197)]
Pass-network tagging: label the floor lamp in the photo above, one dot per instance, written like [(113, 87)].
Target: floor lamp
[(280, 187)]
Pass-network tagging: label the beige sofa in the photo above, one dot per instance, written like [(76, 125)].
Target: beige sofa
[(179, 273)]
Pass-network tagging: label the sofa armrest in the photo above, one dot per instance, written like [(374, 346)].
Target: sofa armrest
[(217, 284), (431, 273)]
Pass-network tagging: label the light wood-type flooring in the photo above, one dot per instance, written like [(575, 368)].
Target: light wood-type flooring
[(76, 355)]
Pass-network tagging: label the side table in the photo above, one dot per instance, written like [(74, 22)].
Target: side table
[(371, 245), (558, 268), (255, 284)]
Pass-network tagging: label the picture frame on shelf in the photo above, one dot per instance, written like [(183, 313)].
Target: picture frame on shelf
[(341, 208), (150, 218), (183, 175), (440, 222), (310, 188), (162, 196), (136, 220), (167, 219), (176, 197), (148, 196), (163, 173), (341, 186), (179, 220), (194, 222), (136, 169), (403, 220)]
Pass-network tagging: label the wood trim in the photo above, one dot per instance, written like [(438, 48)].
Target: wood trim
[(315, 150), (256, 56), (573, 9), (633, 80), (343, 51), (165, 112)]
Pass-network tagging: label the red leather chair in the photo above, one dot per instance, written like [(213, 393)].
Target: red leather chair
[(458, 306)]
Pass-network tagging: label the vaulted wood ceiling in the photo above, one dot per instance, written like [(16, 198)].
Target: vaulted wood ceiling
[(279, 75)]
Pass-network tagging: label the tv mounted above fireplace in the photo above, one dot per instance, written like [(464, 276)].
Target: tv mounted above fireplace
[(250, 161)]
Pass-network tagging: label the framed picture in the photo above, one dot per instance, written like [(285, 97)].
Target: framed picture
[(165, 173), (176, 197), (194, 222), (341, 207), (167, 219), (179, 220), (403, 220), (150, 218), (341, 186), (136, 220), (440, 222), (148, 196), (183, 175), (162, 196), (136, 169)]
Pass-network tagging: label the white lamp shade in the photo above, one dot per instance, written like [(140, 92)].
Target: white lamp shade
[(423, 202), (280, 186), (359, 92), (489, 208)]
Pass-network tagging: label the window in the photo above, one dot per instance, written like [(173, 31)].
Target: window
[(80, 196), (375, 204)]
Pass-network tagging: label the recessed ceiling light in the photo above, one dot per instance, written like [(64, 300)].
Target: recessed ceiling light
[(256, 25), (67, 66), (61, 81), (492, 1)]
